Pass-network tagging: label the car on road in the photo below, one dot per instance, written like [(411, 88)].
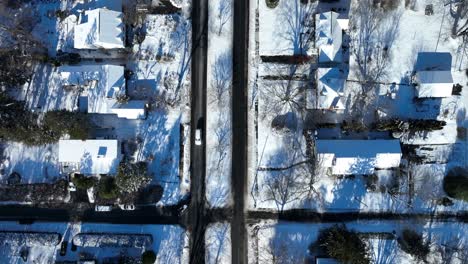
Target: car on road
[(199, 132), (198, 137), (127, 207), (103, 208)]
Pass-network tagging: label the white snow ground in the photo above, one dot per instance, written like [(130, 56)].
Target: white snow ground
[(403, 42), (218, 243), (34, 164), (219, 111), (292, 240)]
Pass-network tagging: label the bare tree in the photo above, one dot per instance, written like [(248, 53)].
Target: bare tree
[(284, 96), (287, 184), (459, 11), (222, 76), (224, 14), (297, 18), (281, 250), (217, 242), (373, 40)]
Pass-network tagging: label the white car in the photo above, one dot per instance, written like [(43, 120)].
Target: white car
[(103, 208), (127, 207), (198, 137), (71, 187)]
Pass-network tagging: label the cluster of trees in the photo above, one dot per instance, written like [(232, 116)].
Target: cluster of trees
[(412, 125), (344, 245), (348, 247), (413, 244), (130, 178), (456, 184), (17, 123), (20, 49)]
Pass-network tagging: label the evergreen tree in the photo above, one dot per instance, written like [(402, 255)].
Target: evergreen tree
[(344, 245), (412, 243), (132, 176)]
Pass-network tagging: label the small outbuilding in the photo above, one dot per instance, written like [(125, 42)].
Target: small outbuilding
[(433, 75)]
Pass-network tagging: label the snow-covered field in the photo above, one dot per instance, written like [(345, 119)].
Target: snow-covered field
[(290, 241), (168, 242), (219, 112), (279, 177), (218, 243)]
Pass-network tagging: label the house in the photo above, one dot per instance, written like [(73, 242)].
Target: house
[(329, 36), (101, 86), (99, 28), (89, 157), (433, 75), (329, 91), (345, 157)]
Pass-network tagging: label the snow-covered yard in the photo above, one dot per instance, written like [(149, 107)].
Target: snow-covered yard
[(280, 177), (286, 28), (219, 111), (168, 242), (218, 243), (292, 241), (161, 76), (34, 164)]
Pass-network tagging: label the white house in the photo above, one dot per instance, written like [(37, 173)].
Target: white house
[(434, 83), (330, 89), (433, 76), (89, 157), (99, 28), (328, 36), (346, 157), (101, 85)]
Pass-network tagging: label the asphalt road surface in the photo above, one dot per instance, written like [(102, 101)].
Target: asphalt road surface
[(196, 215), (239, 133)]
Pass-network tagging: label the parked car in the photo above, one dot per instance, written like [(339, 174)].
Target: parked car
[(127, 207), (199, 132), (103, 208)]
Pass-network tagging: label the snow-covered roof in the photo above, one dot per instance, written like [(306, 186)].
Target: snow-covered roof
[(99, 28), (328, 36), (103, 82), (433, 74), (433, 61), (132, 110), (358, 156), (434, 83), (330, 88), (94, 156)]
